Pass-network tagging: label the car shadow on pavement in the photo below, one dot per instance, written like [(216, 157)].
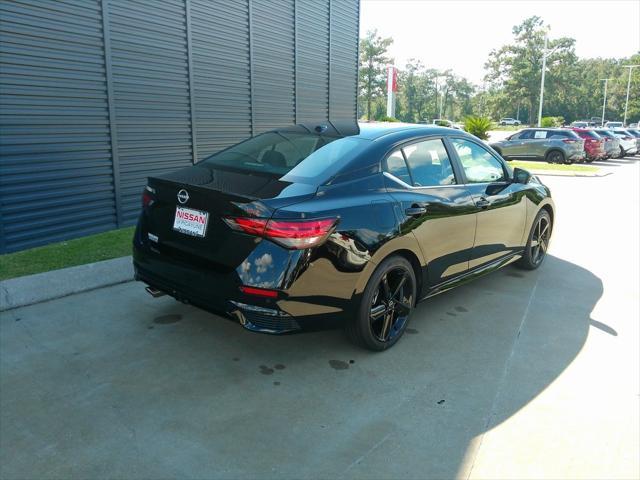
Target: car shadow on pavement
[(147, 388)]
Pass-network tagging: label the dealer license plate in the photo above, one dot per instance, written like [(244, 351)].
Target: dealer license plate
[(191, 222)]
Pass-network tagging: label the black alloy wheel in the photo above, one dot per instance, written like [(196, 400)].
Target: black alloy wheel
[(387, 303), (538, 243), (555, 156)]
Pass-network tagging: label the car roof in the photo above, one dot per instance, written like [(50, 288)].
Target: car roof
[(376, 130)]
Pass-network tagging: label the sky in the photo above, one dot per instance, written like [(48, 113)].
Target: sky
[(459, 34)]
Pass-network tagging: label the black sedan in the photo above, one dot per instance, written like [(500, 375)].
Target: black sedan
[(296, 227)]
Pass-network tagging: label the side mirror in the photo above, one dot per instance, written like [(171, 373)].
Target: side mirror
[(520, 175)]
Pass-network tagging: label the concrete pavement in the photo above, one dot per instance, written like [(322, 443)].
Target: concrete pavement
[(518, 375)]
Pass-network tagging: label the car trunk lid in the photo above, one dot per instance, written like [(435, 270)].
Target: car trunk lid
[(185, 217)]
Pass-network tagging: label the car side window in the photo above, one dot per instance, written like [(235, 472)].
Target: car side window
[(557, 135), (397, 167), (540, 134), (526, 134), (479, 165), (429, 163)]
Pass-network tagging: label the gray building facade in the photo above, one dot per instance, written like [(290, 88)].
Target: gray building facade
[(97, 95)]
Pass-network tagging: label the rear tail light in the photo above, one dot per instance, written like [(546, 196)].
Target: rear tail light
[(259, 292), (295, 234), (569, 140), (148, 196), (629, 138)]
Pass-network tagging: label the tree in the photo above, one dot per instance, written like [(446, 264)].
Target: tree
[(516, 68), (372, 72)]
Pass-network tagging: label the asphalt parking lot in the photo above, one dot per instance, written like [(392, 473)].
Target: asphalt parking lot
[(518, 375)]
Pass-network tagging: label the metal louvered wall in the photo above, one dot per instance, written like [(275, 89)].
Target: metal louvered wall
[(97, 95)]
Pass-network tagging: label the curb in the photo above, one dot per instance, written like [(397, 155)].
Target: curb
[(552, 173), (31, 289)]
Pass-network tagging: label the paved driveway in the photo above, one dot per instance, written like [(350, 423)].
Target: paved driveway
[(520, 374)]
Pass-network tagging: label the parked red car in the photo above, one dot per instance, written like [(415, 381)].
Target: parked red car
[(593, 144)]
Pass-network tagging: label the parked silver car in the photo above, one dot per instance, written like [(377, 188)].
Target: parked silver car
[(611, 143), (553, 145)]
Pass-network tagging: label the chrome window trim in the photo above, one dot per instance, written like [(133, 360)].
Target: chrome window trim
[(411, 187)]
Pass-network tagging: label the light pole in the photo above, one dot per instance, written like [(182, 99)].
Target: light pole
[(544, 67), (604, 103), (626, 103), (441, 99)]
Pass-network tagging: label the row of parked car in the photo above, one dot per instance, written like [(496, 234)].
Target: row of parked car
[(569, 145)]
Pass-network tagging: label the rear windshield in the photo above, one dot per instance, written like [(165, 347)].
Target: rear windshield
[(299, 155), (605, 133), (590, 134)]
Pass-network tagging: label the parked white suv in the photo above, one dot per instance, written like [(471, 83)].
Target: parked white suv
[(613, 125), (628, 142), (509, 121)]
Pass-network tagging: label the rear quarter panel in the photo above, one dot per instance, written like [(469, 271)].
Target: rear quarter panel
[(337, 271)]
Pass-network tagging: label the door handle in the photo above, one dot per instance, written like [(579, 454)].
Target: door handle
[(482, 202), (416, 209)]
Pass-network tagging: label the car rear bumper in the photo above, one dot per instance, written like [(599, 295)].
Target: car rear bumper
[(311, 292)]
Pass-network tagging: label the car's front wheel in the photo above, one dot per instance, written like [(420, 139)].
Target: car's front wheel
[(386, 305), (537, 242)]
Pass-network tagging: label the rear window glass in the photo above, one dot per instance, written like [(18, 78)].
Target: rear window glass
[(326, 161), (563, 134), (604, 133), (590, 134), (429, 163), (396, 166), (298, 156)]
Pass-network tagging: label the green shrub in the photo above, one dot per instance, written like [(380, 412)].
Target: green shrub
[(548, 122), (478, 126), (388, 119)]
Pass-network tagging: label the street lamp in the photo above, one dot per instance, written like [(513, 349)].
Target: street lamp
[(626, 103), (544, 67), (604, 103), (545, 54)]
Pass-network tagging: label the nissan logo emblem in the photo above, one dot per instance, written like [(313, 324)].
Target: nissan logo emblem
[(183, 196)]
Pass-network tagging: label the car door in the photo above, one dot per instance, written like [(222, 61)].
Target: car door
[(433, 204), (537, 144), (515, 146), (500, 203)]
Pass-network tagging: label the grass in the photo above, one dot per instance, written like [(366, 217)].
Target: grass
[(94, 248), (553, 166)]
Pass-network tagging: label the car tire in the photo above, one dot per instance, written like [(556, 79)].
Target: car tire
[(535, 250), (555, 156), (385, 307)]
